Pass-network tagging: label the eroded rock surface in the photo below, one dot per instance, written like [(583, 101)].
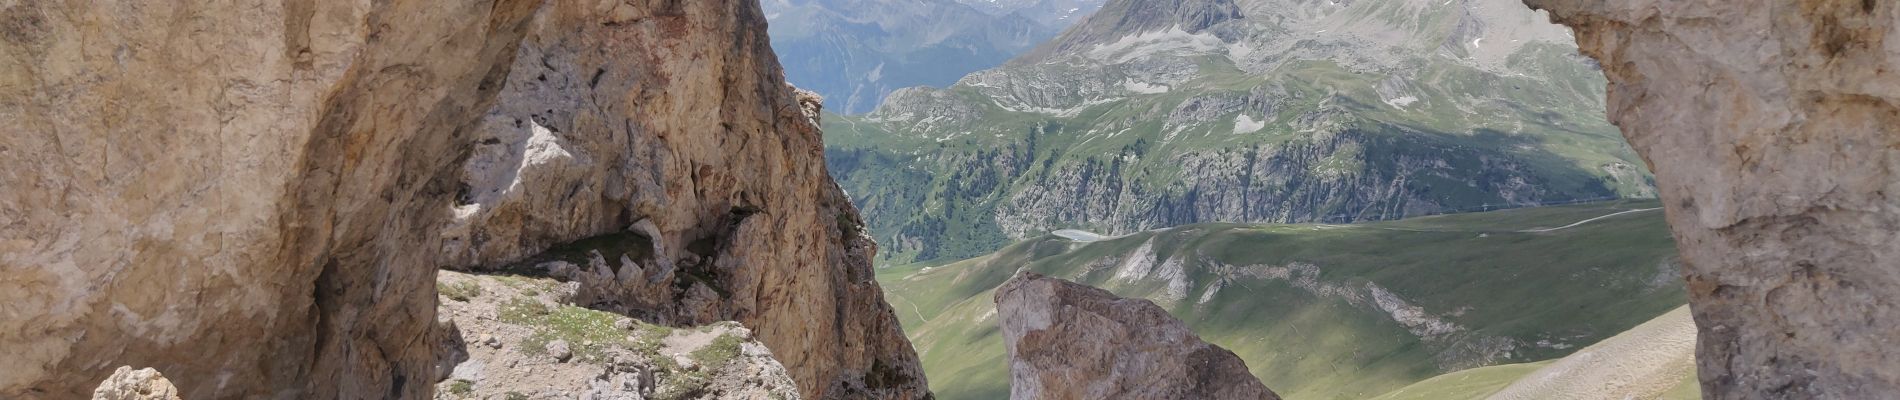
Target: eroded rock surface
[(252, 198), (669, 128), (1070, 341), (233, 194), (129, 384), (1773, 128)]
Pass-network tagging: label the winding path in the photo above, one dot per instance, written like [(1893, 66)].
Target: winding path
[(1586, 221)]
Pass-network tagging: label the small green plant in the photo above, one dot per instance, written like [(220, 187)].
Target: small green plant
[(716, 354), (524, 311), (459, 291), (515, 396), (461, 387)]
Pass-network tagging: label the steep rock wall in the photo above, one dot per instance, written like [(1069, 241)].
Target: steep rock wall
[(228, 192), (244, 196), (673, 122), (1774, 131)]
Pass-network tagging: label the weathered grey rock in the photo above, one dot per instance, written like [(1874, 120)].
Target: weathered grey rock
[(559, 350), (1773, 128), (1070, 341), (128, 384)]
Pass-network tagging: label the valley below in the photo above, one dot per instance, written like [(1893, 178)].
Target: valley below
[(1342, 311)]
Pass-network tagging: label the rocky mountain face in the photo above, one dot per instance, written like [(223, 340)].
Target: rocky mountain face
[(1776, 157), (1160, 113), (681, 139), (856, 52), (1328, 311), (254, 200), (1070, 341)]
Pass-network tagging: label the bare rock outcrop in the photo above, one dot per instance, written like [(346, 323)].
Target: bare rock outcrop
[(671, 126), (249, 197), (1773, 128), (141, 384), (1070, 341)]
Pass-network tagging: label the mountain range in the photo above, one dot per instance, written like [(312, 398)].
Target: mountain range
[(1151, 114), (855, 52)]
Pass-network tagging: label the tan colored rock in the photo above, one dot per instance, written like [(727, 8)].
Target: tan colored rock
[(677, 126), (232, 193), (1070, 341), (1774, 131), (128, 384), (247, 196)]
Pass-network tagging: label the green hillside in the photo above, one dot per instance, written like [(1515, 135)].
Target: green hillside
[(1329, 311), (1340, 112)]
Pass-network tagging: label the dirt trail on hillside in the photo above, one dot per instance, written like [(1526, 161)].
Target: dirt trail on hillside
[(1641, 363)]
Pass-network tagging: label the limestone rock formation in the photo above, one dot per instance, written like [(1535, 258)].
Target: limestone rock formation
[(1070, 341), (673, 128), (128, 384), (249, 197), (1773, 128), (233, 194)]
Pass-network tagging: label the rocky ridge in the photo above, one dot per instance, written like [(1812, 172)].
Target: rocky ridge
[(1776, 157), (1069, 341)]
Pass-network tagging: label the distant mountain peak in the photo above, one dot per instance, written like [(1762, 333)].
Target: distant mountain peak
[(1121, 18)]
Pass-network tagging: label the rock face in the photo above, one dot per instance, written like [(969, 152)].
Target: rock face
[(233, 194), (247, 197), (672, 127), (128, 384), (1069, 341), (1776, 156)]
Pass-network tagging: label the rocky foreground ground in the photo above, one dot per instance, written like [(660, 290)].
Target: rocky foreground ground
[(521, 338)]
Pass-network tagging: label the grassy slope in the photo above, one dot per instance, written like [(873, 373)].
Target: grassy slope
[(1551, 124), (1485, 382), (1573, 286)]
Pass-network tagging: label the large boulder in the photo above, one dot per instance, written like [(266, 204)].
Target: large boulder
[(1070, 341), (1773, 128)]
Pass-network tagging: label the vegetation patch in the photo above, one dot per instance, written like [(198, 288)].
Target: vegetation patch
[(461, 387), (459, 291), (588, 333)]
